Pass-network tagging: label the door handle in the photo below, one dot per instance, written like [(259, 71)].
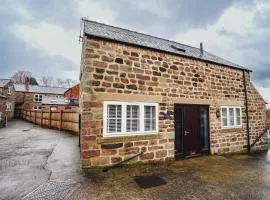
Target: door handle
[(186, 132)]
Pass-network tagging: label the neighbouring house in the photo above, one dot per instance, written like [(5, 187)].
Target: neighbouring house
[(140, 93), (7, 99), (60, 103), (73, 92), (29, 97)]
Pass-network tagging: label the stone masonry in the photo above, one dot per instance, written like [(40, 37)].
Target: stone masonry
[(115, 71), (9, 98)]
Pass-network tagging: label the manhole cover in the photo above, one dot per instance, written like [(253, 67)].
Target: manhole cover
[(51, 190), (149, 181)]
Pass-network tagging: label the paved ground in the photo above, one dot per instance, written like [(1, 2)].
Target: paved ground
[(33, 156)]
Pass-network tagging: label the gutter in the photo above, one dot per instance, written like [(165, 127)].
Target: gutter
[(247, 112)]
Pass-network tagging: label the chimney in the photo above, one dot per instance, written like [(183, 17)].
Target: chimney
[(201, 49), (26, 83)]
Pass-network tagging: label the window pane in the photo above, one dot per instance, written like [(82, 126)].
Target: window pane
[(147, 124), (111, 125), (133, 122), (231, 116), (114, 118), (149, 118), (153, 124), (238, 117), (112, 111), (224, 117)]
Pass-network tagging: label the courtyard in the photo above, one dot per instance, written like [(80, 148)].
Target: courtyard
[(39, 163)]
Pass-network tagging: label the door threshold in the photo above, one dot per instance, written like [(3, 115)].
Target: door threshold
[(193, 156)]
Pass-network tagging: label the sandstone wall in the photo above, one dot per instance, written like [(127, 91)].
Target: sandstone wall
[(10, 99), (113, 71)]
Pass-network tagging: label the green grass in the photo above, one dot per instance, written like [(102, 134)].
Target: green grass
[(268, 143)]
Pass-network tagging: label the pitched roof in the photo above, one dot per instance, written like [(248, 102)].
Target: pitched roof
[(39, 89), (100, 30), (3, 82)]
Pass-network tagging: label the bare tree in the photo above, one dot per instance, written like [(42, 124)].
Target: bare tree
[(20, 76), (59, 82), (47, 81)]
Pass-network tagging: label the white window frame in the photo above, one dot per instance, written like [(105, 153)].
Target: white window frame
[(8, 107), (39, 95), (124, 119), (228, 117), (37, 107), (9, 90)]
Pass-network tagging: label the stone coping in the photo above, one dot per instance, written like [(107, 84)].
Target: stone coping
[(128, 138)]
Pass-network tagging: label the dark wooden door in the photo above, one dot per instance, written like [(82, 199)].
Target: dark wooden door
[(187, 130), (191, 130)]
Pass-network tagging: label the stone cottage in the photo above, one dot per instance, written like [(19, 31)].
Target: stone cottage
[(158, 99), (29, 97), (7, 99)]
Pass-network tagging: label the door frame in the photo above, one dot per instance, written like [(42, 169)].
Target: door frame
[(207, 152)]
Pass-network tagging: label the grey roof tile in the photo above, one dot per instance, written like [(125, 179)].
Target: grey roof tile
[(96, 29), (3, 82), (40, 89)]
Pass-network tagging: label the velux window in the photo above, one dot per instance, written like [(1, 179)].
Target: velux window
[(38, 98), (231, 117), (124, 118)]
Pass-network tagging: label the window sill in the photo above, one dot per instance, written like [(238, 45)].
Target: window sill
[(231, 129), (128, 138)]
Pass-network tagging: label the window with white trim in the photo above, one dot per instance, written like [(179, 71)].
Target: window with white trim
[(129, 118), (38, 98), (9, 90), (8, 107), (231, 117), (37, 107)]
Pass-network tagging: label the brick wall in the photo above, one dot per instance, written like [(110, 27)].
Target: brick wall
[(113, 71)]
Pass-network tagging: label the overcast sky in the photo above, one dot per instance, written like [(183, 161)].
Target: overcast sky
[(42, 35)]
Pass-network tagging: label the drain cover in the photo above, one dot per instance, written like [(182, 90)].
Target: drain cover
[(51, 190), (149, 181)]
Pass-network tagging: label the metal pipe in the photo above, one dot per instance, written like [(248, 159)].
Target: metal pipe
[(106, 169), (247, 112)]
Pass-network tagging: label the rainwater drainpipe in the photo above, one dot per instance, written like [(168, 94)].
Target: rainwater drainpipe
[(247, 112)]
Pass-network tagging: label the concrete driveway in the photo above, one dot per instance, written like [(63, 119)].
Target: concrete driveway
[(34, 158), (38, 163)]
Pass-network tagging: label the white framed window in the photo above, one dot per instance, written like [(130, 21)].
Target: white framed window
[(231, 117), (38, 98), (129, 118), (9, 90), (37, 107), (8, 107)]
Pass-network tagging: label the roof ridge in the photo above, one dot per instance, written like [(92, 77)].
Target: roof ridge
[(160, 38), (41, 86)]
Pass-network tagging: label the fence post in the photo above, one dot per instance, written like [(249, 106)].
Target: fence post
[(41, 122), (61, 112), (30, 116), (50, 118)]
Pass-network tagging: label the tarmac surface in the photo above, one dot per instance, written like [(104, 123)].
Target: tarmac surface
[(40, 163)]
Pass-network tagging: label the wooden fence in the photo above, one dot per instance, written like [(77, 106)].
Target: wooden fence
[(62, 120)]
